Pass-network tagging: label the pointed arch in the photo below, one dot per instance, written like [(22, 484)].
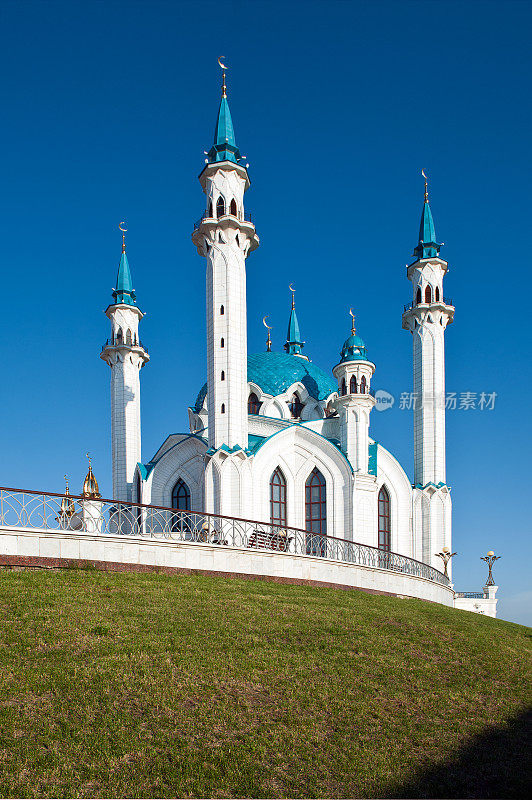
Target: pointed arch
[(363, 384), (437, 294), (223, 408), (296, 406), (316, 513), (222, 376), (119, 336), (232, 207), (418, 295), (128, 337), (353, 388), (384, 520), (428, 294), (220, 207), (253, 404), (209, 212), (278, 498), (343, 387), (181, 501), (222, 311)]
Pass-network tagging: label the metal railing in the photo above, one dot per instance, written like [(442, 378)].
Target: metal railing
[(471, 595), (21, 508), (123, 343), (447, 301), (246, 217)]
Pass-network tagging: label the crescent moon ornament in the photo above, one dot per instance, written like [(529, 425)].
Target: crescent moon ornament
[(291, 288), (423, 173), (124, 230), (221, 64), (265, 323), (353, 330)]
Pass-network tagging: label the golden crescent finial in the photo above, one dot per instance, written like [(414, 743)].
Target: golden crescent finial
[(265, 323), (353, 330), (223, 67), (221, 64), (426, 186), (268, 340), (291, 288), (89, 457), (124, 230)]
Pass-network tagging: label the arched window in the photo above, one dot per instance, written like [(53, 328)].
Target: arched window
[(253, 404), (181, 500), (222, 343), (437, 293), (353, 388), (316, 513), (209, 212), (278, 499), (384, 520), (295, 405), (343, 388), (363, 384), (418, 296), (128, 336), (223, 408), (222, 311), (233, 207), (220, 207), (119, 336), (428, 295), (222, 377)]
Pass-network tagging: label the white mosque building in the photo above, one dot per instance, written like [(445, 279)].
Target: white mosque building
[(274, 437)]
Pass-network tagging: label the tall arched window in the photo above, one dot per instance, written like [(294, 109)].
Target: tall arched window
[(222, 311), (363, 384), (384, 520), (119, 336), (343, 387), (437, 293), (222, 376), (222, 343), (181, 500), (253, 404), (295, 405), (223, 408), (428, 294), (220, 207), (209, 212), (316, 513), (128, 336), (278, 499), (353, 389), (233, 207), (418, 295)]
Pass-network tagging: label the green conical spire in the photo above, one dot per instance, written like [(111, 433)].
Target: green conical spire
[(427, 246), (124, 293), (293, 345), (224, 147)]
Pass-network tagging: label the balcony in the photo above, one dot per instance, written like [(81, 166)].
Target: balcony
[(246, 217), (446, 301)]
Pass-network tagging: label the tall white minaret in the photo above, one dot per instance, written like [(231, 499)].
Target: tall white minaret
[(427, 318), (225, 237), (126, 356)]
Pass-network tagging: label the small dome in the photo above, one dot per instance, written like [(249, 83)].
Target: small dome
[(274, 373), (354, 349)]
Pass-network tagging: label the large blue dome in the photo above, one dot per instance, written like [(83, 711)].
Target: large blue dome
[(275, 372)]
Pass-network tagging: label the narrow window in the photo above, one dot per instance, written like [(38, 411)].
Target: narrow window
[(210, 209), (253, 404), (233, 207), (222, 311), (223, 408), (343, 388), (353, 389), (437, 292), (181, 501), (428, 295), (278, 499), (418, 296), (316, 513), (220, 207), (384, 520), (128, 336), (223, 376), (222, 343), (237, 240), (363, 385), (296, 406), (119, 336)]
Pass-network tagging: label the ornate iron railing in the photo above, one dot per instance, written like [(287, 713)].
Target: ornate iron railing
[(21, 508), (246, 217), (123, 343), (447, 301)]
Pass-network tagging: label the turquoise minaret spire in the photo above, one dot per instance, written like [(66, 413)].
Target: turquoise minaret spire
[(294, 344), (124, 292), (224, 147), (427, 247)]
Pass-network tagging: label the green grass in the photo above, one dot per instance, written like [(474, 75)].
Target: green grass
[(131, 685)]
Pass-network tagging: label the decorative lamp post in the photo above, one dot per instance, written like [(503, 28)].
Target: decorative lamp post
[(445, 556), (490, 559)]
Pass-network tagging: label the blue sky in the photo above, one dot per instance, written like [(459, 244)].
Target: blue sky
[(106, 111)]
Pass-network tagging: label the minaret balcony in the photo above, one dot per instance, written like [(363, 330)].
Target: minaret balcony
[(447, 301), (121, 345), (416, 312), (241, 224)]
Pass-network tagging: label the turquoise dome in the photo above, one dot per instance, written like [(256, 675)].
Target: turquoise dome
[(275, 372), (354, 349)]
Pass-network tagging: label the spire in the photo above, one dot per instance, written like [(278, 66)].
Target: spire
[(90, 484), (67, 506), (427, 247), (293, 345), (124, 292), (224, 147)]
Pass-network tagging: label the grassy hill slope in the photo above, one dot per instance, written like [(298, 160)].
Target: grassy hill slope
[(133, 685)]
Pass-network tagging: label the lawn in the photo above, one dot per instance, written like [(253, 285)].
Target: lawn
[(149, 685)]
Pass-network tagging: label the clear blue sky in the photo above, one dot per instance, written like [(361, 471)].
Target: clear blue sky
[(106, 110)]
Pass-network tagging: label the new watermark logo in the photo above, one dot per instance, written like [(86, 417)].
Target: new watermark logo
[(452, 401)]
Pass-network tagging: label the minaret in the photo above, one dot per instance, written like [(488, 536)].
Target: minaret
[(294, 345), (126, 356), (427, 318), (354, 402), (225, 237)]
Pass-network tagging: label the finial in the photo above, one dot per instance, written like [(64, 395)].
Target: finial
[(293, 298), (67, 506), (90, 484), (353, 329), (124, 231), (223, 68), (426, 186), (268, 341)]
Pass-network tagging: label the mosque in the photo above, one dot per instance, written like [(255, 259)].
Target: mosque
[(274, 437)]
